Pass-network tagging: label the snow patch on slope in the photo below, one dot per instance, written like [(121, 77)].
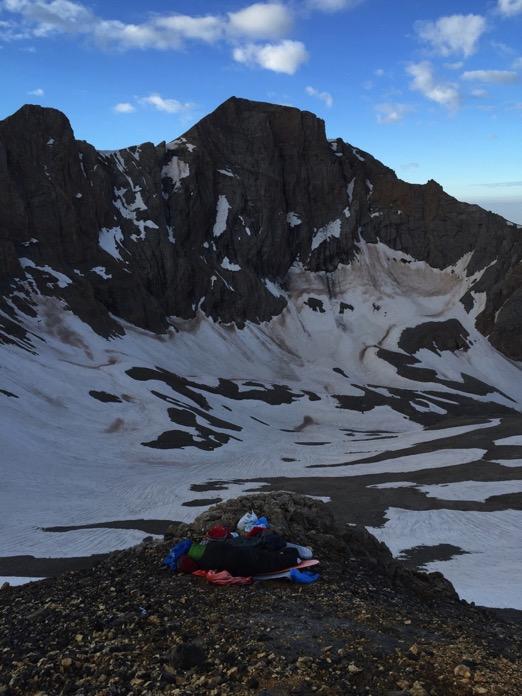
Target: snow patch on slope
[(111, 240), (229, 266), (222, 208), (175, 170), (330, 231), (293, 219), (60, 278)]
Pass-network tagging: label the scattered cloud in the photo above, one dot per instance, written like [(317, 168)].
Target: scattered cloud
[(124, 108), (500, 77), (261, 21), (454, 66), (256, 22), (391, 113), (379, 72), (12, 31), (49, 16), (509, 8), (424, 81), (502, 48), (325, 97), (517, 63), (168, 32), (169, 106), (284, 57), (409, 166), (479, 93), (332, 5), (455, 34), (42, 18), (38, 92)]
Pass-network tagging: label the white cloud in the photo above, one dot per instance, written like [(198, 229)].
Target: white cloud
[(446, 94), (325, 97), (115, 34), (38, 92), (509, 8), (261, 21), (258, 21), (456, 34), (284, 57), (161, 33), (124, 108), (501, 77), (53, 15), (332, 5), (170, 106), (207, 29), (391, 113)]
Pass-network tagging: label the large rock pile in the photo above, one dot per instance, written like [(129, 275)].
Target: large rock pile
[(310, 522)]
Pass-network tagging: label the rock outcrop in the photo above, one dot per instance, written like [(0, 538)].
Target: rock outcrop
[(310, 522), (214, 220), (435, 336)]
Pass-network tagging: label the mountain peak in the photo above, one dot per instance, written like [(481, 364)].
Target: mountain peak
[(216, 220), (256, 119), (36, 117)]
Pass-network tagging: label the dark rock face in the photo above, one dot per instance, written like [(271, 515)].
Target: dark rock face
[(435, 336), (214, 220)]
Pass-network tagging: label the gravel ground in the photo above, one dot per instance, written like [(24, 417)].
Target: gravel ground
[(369, 626)]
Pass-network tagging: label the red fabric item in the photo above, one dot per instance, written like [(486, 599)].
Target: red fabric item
[(222, 577), (187, 565), (218, 531), (255, 531)]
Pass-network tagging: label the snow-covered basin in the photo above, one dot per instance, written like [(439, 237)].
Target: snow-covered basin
[(488, 573), (69, 460)]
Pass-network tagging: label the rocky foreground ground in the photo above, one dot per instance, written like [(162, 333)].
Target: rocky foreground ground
[(369, 626)]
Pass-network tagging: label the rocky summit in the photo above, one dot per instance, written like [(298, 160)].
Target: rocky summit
[(252, 306), (369, 626)]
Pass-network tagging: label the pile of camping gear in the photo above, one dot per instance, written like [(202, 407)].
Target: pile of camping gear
[(251, 551)]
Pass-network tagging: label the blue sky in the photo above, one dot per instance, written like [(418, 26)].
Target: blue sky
[(433, 89)]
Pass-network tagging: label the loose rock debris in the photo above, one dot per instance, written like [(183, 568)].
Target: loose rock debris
[(370, 626)]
